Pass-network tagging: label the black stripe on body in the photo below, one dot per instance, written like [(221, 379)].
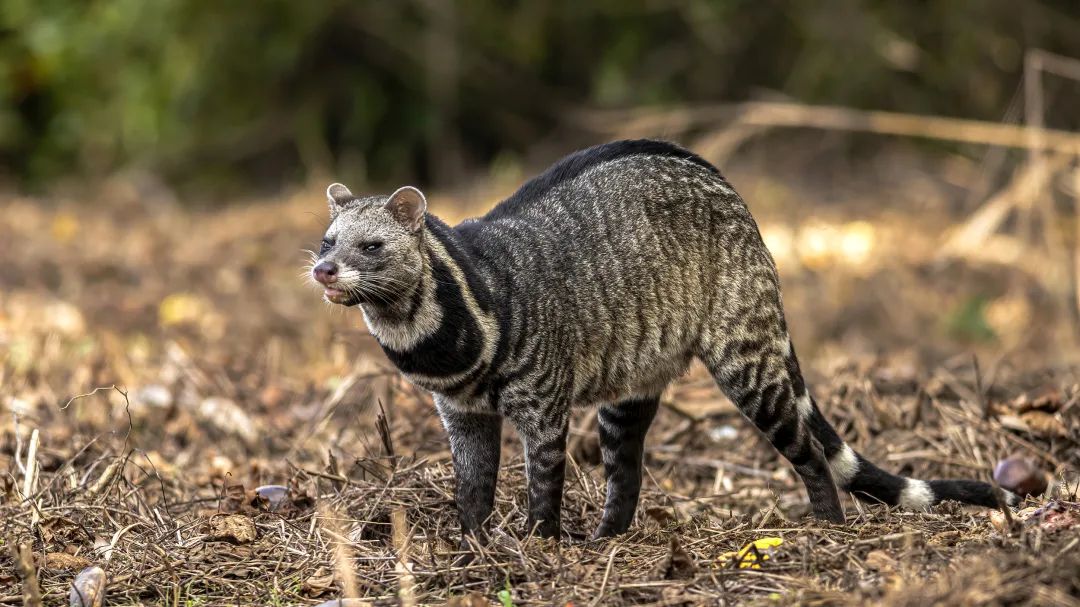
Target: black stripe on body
[(452, 240), (794, 372), (577, 163), (458, 342)]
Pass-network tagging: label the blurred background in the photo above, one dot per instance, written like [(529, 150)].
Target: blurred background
[(227, 98)]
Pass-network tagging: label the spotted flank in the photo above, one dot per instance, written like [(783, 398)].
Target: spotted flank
[(595, 284)]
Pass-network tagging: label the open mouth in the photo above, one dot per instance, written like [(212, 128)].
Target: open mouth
[(335, 295)]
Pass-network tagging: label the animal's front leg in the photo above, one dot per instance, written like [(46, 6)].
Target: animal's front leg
[(544, 436), (475, 440)]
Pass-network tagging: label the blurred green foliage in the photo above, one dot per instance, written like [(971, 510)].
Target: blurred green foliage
[(213, 93), (967, 321)]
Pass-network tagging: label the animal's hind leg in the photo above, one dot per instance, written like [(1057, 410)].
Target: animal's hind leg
[(756, 368), (622, 430)]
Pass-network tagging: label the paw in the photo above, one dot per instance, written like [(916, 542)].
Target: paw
[(468, 549), (606, 530), (542, 529), (466, 555)]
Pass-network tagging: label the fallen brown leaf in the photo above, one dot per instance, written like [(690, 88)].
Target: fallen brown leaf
[(678, 564), (233, 528), (62, 560)]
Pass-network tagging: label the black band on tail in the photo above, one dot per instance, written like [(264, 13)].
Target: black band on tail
[(869, 483), (969, 492)]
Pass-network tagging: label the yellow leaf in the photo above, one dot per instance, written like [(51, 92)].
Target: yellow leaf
[(180, 308), (748, 556), (63, 227)]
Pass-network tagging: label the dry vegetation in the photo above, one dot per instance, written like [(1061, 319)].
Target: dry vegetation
[(164, 363)]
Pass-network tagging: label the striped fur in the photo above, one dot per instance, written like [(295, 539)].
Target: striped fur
[(595, 284)]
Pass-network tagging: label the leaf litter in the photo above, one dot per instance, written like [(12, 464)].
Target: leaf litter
[(258, 450)]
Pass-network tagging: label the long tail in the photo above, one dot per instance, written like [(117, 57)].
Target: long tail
[(865, 481)]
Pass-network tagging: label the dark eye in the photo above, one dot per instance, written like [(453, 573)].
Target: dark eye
[(327, 243), (371, 247)]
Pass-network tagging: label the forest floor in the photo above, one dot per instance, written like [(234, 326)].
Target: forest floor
[(181, 410)]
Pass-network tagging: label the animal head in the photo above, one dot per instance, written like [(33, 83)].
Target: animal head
[(372, 251)]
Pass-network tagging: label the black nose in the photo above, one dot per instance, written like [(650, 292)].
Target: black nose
[(325, 272)]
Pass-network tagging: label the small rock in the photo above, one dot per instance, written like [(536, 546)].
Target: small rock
[(88, 589), (723, 433), (1021, 475), (233, 528), (998, 520), (271, 497)]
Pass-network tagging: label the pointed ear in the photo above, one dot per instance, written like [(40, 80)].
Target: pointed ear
[(408, 206), (337, 195)]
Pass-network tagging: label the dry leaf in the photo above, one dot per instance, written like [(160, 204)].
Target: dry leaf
[(662, 516), (1044, 424), (63, 560), (748, 557), (321, 581), (881, 561), (233, 528), (678, 564), (181, 308), (64, 227), (1049, 400)]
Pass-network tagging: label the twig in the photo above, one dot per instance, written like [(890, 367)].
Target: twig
[(328, 519), (383, 426), (400, 536), (24, 566), (30, 477), (106, 478), (1003, 505), (984, 403), (607, 574), (798, 115), (970, 237)]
